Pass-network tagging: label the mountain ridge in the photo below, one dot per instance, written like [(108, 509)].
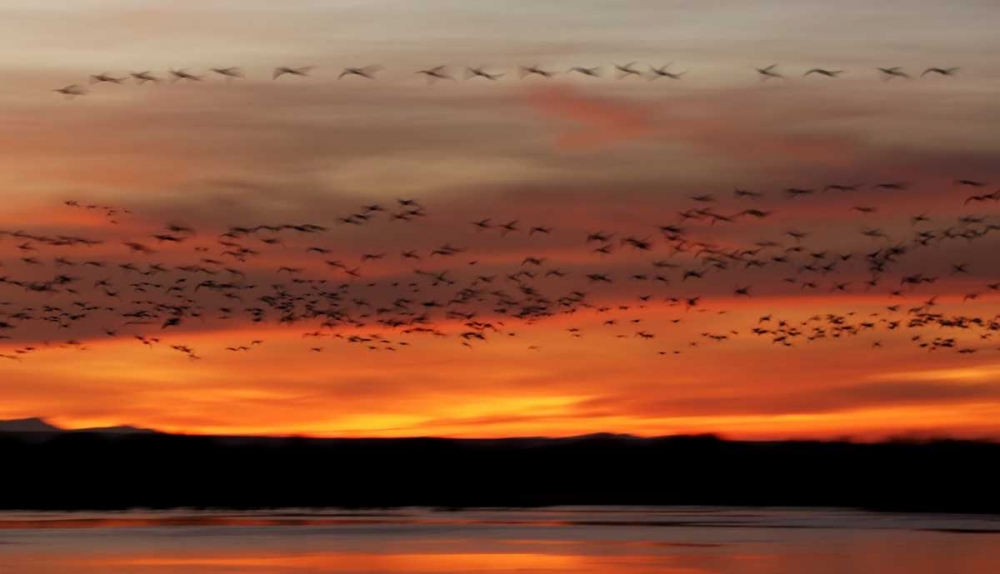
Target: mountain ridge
[(40, 425)]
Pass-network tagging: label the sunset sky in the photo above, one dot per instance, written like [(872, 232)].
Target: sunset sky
[(575, 153)]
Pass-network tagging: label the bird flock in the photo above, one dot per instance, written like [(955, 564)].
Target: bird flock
[(441, 72), (151, 283)]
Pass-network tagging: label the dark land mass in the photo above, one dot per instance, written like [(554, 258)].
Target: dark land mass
[(102, 469), (41, 426)]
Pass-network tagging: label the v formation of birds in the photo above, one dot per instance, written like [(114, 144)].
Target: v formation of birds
[(441, 72)]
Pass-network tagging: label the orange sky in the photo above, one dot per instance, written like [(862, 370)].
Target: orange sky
[(577, 154)]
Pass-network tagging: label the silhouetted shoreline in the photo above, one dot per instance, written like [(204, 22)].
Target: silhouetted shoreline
[(100, 471)]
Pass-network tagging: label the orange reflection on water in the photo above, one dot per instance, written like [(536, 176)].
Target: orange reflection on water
[(345, 562), (623, 540), (353, 562), (869, 558)]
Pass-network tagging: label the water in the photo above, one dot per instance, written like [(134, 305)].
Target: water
[(578, 540)]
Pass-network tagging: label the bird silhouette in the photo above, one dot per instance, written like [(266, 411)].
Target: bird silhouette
[(71, 90), (664, 72), (940, 71), (894, 72), (435, 73), (592, 72), (481, 73), (625, 70), (229, 73), (143, 77), (105, 78), (289, 71), (769, 72), (182, 75), (525, 71), (824, 72), (367, 72)]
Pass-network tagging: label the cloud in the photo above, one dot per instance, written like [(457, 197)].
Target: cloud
[(595, 123), (822, 399)]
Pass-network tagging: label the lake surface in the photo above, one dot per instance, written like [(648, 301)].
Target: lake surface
[(579, 540)]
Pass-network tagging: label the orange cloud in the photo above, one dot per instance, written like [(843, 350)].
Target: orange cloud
[(595, 123)]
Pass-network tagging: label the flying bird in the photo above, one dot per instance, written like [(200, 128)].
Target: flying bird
[(182, 75), (768, 72), (435, 73), (71, 90), (894, 72), (940, 71), (289, 71), (664, 72), (481, 73), (143, 77), (525, 71), (105, 78), (628, 69), (824, 72), (367, 72), (592, 72), (229, 73)]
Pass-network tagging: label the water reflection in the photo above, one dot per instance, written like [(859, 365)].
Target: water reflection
[(605, 540)]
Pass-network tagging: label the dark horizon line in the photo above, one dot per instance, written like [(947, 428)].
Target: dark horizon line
[(108, 471), (43, 426)]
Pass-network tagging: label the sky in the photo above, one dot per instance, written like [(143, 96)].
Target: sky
[(622, 156)]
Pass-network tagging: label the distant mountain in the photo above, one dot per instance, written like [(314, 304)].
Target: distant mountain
[(120, 429), (40, 425), (28, 425)]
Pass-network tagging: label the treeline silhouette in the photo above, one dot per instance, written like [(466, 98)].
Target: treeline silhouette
[(76, 471)]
